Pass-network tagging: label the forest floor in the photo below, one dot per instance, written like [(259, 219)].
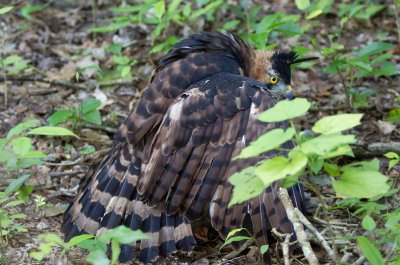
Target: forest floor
[(57, 42)]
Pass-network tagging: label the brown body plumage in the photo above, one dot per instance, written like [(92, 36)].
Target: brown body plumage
[(171, 159)]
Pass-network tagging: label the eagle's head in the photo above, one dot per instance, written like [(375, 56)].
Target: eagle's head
[(273, 69)]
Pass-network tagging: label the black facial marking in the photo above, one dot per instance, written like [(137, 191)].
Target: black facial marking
[(281, 64)]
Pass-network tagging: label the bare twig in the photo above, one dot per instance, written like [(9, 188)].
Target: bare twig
[(320, 238), (100, 127), (359, 261), (375, 149), (298, 227), (285, 249), (66, 173), (234, 254), (64, 83)]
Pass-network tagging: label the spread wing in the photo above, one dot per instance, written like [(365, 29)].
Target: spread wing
[(187, 163)]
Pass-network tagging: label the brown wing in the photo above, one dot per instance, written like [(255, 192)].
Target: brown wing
[(189, 160)]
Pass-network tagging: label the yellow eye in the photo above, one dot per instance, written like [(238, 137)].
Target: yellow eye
[(273, 80)]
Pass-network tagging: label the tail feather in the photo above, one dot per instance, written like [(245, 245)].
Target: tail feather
[(109, 199)]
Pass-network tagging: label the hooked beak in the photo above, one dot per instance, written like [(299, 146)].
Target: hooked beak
[(289, 93)]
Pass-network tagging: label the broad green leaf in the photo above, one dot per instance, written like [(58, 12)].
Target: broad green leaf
[(52, 238), (126, 70), (370, 251), (44, 250), (332, 169), (266, 142), (22, 127), (302, 4), (98, 257), (370, 11), (279, 167), (13, 203), (341, 150), (374, 48), (93, 117), (286, 110), (337, 123), (90, 105), (368, 223), (5, 9), (12, 59), (372, 165), (78, 239), (92, 245), (326, 143), (60, 116), (361, 184), (16, 184), (52, 131), (245, 186), (393, 115), (21, 145), (263, 249), (159, 9), (124, 235)]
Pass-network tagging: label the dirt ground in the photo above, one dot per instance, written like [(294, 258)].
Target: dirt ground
[(57, 42)]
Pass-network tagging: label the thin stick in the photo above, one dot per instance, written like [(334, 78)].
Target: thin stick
[(320, 238), (298, 227)]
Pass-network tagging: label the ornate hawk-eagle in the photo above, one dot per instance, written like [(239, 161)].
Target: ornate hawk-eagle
[(172, 157)]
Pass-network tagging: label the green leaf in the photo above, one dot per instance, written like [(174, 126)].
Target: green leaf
[(245, 186), (115, 48), (393, 115), (361, 184), (332, 169), (90, 105), (159, 9), (370, 251), (314, 14), (302, 4), (21, 145), (98, 257), (326, 143), (286, 110), (5, 9), (210, 8), (368, 223), (266, 142), (16, 184), (52, 131), (263, 249), (27, 10), (337, 123), (60, 116), (126, 70), (93, 117), (124, 235), (52, 238), (115, 250), (78, 239), (22, 127), (12, 59), (111, 27), (230, 238), (230, 25), (92, 245), (279, 167), (374, 48), (372, 165)]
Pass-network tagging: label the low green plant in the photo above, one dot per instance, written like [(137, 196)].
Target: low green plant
[(97, 247), (312, 154), (87, 112)]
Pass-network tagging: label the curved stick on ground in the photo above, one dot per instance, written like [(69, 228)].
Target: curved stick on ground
[(298, 227), (320, 238)]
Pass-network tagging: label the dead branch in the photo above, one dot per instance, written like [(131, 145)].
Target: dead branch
[(66, 173), (64, 83), (364, 149), (236, 253), (298, 227), (320, 238)]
